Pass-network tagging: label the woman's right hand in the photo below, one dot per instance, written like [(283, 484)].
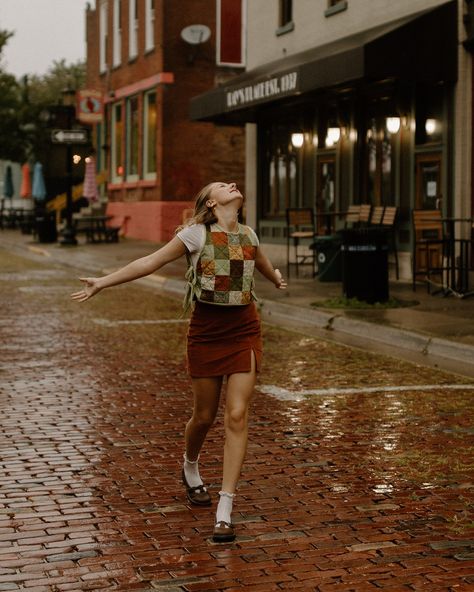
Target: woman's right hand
[(280, 282), (90, 288)]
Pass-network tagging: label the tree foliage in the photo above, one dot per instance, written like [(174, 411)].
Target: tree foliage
[(46, 90), (4, 37), (12, 138), (23, 130)]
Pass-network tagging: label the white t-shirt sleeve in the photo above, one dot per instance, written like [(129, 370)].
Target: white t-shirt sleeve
[(193, 237)]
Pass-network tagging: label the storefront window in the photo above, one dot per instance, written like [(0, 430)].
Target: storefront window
[(380, 186), (132, 29), (285, 17), (286, 12), (149, 25), (117, 33), (103, 22), (132, 138), (283, 184), (117, 137), (149, 140), (283, 172)]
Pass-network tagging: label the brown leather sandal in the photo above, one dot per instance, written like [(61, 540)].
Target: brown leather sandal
[(198, 496), (223, 532)]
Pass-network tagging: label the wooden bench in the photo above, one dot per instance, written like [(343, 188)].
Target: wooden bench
[(113, 228)]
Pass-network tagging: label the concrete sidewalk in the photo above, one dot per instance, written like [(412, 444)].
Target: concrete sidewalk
[(432, 330)]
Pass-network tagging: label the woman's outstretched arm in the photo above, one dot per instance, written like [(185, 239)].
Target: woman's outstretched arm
[(134, 270), (264, 266)]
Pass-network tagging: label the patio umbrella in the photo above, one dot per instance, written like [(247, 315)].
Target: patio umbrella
[(39, 189), (90, 186), (25, 188), (8, 190)]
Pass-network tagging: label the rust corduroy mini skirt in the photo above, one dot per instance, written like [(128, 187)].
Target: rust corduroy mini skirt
[(221, 339)]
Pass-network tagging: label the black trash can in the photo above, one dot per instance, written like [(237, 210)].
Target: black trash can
[(365, 264), (328, 256), (46, 227)]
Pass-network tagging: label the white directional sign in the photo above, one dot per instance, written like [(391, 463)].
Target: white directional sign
[(78, 136)]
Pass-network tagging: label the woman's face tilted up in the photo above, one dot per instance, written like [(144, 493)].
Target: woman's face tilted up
[(224, 193)]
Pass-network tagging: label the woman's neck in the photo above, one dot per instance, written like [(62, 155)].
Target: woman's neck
[(228, 220)]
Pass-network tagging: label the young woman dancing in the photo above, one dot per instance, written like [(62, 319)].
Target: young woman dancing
[(224, 338)]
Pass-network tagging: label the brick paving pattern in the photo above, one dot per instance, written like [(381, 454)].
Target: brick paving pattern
[(355, 492)]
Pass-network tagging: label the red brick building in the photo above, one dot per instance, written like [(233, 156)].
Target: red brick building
[(156, 158)]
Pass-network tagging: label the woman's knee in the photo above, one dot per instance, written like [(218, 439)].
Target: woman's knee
[(236, 419), (203, 420)]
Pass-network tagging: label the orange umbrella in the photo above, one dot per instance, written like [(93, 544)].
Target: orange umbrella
[(25, 188)]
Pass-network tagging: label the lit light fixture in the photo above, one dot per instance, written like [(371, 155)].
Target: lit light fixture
[(393, 125), (76, 159), (315, 140), (430, 126), (88, 159), (353, 135), (333, 136), (297, 140)]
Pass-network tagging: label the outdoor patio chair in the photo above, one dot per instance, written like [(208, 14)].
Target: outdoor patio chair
[(377, 215), (299, 227), (364, 214), (352, 216), (389, 220), (429, 246)]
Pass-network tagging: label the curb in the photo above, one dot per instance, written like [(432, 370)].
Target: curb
[(425, 345)]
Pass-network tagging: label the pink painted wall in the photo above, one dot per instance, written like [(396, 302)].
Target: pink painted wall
[(150, 220)]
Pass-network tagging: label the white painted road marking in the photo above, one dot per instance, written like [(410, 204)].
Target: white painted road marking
[(287, 395)]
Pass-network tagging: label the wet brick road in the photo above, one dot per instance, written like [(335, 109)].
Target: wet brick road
[(342, 491)]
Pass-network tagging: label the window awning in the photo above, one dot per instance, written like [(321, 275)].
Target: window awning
[(421, 48)]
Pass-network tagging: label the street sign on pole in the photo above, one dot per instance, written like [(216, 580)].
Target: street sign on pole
[(77, 136)]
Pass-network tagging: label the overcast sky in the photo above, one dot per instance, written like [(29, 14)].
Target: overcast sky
[(45, 30)]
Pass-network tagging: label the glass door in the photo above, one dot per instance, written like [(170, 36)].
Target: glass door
[(428, 197), (428, 181)]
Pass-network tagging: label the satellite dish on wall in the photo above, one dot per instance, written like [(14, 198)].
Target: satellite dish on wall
[(196, 34)]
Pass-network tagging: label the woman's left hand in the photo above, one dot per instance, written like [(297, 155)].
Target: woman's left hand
[(280, 283)]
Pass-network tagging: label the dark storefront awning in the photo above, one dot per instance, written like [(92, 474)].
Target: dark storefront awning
[(421, 48)]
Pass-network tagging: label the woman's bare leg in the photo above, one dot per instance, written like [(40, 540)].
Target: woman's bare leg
[(206, 402), (239, 393)]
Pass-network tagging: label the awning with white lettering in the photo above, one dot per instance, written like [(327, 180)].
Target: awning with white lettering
[(421, 48)]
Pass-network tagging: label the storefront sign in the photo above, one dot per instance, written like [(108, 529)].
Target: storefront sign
[(270, 88), (90, 106)]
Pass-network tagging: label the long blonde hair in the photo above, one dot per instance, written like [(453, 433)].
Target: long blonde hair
[(202, 213)]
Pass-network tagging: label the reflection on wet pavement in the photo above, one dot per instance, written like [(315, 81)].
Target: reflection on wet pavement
[(354, 489)]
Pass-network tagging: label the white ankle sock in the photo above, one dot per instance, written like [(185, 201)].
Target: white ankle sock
[(191, 472), (224, 507)]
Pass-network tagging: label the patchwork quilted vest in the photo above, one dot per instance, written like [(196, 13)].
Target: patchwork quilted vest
[(225, 268)]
